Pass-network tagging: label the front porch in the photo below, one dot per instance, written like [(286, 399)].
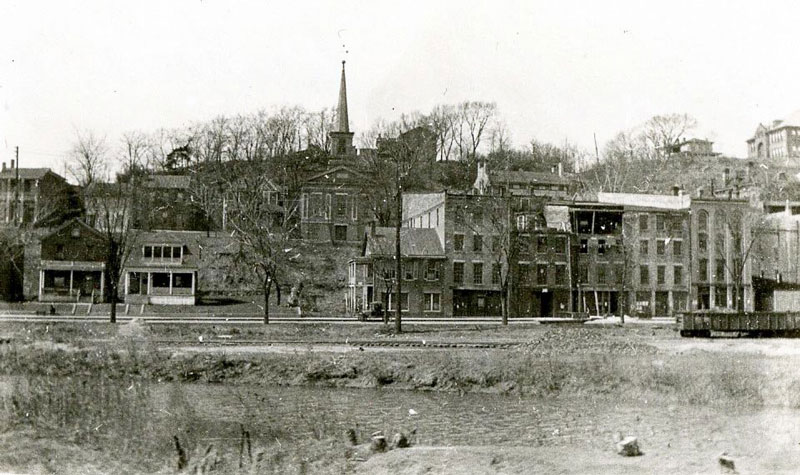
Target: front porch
[(71, 281), (161, 287)]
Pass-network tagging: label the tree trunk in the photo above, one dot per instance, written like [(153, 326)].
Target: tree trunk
[(385, 300), (114, 293), (398, 326), (266, 286)]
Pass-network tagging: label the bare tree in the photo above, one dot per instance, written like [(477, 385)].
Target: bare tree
[(317, 126), (475, 117), (263, 231), (738, 227), (662, 132), (112, 206), (88, 159)]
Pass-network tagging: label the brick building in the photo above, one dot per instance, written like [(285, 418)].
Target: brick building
[(372, 276), (778, 141), (34, 196)]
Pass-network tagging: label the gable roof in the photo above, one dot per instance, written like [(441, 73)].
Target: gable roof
[(28, 173), (72, 222), (331, 171), (414, 242), (167, 181)]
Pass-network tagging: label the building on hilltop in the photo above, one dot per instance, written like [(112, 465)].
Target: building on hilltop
[(778, 141), (690, 147), (35, 196)]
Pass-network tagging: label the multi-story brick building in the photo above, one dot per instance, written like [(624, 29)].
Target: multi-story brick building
[(721, 247), (779, 141), (34, 196), (373, 274), (654, 253)]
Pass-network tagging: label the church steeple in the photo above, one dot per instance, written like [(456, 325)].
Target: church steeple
[(342, 138), (341, 113)]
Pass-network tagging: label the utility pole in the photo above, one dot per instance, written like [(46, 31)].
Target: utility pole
[(17, 216)]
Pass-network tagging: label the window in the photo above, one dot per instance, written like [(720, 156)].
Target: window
[(340, 232), (477, 272), (702, 270), (341, 204), (619, 273), (601, 274), (561, 274), (403, 301), (719, 243), (702, 220), (409, 270), (541, 274), (584, 246), (163, 252), (661, 247), (702, 242), (477, 243), (643, 247), (601, 246), (458, 272), (720, 274), (522, 222), (524, 276), (661, 272), (432, 302), (721, 296), (677, 248), (583, 275), (182, 280), (560, 244), (541, 243), (496, 274), (677, 275), (661, 222), (643, 222), (432, 270), (644, 275), (458, 242), (477, 215), (495, 243)]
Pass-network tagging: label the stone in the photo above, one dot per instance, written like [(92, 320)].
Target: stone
[(628, 447), (378, 444), (726, 463), (399, 441)]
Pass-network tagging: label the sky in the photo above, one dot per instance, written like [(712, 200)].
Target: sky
[(558, 71)]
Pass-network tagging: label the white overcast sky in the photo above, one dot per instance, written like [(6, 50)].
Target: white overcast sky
[(557, 70)]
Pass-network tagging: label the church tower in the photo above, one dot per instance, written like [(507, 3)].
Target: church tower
[(342, 138)]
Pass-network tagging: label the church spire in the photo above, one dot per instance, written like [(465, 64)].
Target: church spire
[(341, 137), (344, 120)]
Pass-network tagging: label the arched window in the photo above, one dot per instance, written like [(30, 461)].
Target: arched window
[(702, 220)]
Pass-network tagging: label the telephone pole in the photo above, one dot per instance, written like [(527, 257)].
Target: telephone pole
[(16, 185)]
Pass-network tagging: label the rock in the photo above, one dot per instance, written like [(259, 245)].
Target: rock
[(350, 435), (399, 441), (377, 444), (628, 447), (726, 463)]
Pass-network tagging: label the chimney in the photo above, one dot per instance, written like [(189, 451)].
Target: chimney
[(726, 176), (788, 209), (700, 192), (560, 169), (676, 190), (4, 166), (12, 164), (712, 187), (372, 227)]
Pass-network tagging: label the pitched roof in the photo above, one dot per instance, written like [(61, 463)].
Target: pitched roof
[(416, 242), (27, 173), (167, 181), (528, 178)]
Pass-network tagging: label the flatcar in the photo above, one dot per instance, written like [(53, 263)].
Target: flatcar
[(702, 324)]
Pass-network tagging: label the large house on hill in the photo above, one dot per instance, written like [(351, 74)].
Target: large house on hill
[(34, 196), (778, 141)]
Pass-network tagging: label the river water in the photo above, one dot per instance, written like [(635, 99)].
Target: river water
[(453, 419)]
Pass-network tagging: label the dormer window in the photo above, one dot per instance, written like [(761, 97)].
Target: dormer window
[(163, 252)]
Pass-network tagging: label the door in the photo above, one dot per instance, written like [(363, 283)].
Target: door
[(546, 304)]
